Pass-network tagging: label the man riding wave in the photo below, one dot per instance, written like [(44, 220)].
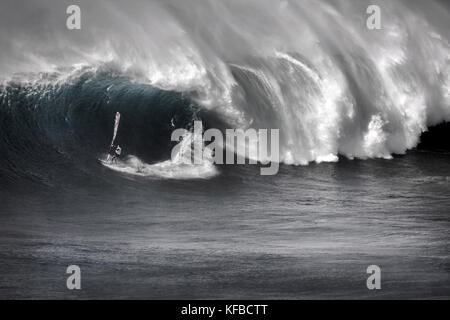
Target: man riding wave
[(114, 153)]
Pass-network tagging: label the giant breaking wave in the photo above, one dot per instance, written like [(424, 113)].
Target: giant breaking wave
[(310, 68)]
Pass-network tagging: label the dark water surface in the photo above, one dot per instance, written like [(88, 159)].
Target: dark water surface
[(308, 232)]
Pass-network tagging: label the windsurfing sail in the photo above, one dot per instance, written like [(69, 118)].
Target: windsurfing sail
[(116, 127)]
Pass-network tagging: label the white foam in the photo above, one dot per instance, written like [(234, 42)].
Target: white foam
[(164, 170)]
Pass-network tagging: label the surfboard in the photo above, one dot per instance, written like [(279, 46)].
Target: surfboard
[(107, 161)]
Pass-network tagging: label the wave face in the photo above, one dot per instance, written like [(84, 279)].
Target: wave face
[(310, 68), (50, 121)]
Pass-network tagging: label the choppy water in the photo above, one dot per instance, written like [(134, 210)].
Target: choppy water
[(309, 232)]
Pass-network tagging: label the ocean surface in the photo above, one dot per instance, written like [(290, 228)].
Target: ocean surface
[(308, 232)]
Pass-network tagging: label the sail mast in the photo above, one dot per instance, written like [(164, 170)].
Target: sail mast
[(116, 127)]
